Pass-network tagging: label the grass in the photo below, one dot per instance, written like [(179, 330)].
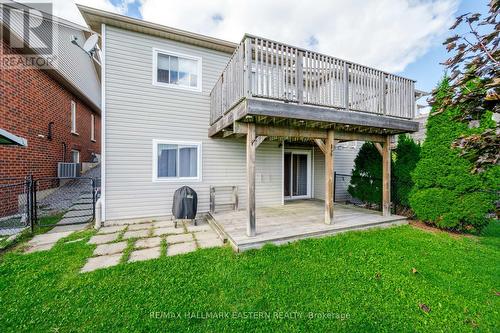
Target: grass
[(358, 281)]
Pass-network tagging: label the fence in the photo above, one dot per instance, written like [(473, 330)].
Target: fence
[(25, 202), (366, 192), (15, 205)]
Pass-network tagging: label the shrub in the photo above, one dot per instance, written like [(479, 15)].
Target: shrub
[(407, 154), (446, 193), (366, 184)]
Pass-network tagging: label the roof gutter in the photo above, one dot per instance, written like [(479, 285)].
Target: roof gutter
[(95, 17)]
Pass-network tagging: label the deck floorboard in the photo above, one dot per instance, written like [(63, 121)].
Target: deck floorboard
[(297, 220)]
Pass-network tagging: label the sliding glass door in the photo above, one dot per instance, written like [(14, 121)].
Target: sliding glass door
[(297, 174)]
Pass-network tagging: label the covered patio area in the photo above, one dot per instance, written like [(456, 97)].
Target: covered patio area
[(295, 220)]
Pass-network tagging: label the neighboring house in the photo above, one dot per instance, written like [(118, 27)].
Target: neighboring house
[(55, 109), (184, 109), (422, 114)]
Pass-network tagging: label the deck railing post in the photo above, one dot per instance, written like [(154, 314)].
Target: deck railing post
[(346, 86), (248, 66), (382, 93), (300, 77)]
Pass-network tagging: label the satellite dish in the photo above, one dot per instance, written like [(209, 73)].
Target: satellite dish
[(90, 43)]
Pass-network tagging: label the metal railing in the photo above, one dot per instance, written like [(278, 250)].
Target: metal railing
[(267, 69)]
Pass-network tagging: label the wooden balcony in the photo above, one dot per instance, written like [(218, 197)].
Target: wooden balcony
[(270, 82)]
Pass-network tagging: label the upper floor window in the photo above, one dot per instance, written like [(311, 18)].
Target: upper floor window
[(176, 70), (73, 117), (92, 127)]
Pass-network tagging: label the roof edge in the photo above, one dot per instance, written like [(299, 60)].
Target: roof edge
[(92, 14)]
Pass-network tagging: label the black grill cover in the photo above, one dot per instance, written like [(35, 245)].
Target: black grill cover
[(185, 203)]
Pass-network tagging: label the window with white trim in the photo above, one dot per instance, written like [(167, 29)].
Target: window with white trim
[(73, 117), (92, 127), (176, 70), (75, 156), (175, 160)]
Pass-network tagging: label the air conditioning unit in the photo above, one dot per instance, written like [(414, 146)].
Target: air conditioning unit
[(68, 170)]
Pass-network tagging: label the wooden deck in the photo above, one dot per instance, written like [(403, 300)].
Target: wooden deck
[(311, 88), (295, 220)]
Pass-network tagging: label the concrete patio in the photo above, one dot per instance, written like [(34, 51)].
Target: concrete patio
[(295, 220)]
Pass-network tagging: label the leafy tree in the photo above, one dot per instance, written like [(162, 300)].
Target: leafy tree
[(407, 154), (475, 83), (446, 192), (366, 184)]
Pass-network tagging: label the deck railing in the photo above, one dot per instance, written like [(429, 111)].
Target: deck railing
[(264, 68)]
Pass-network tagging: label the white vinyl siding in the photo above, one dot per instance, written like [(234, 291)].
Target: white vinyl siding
[(175, 70), (73, 117), (92, 127), (138, 112)]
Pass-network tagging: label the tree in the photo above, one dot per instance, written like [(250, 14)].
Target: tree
[(407, 155), (475, 83), (446, 193), (366, 184)]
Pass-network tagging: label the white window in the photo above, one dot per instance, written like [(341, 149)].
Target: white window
[(92, 127), (176, 161), (73, 117), (75, 156), (176, 70)]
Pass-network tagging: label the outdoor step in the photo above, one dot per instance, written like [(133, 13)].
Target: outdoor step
[(76, 213), (77, 219), (87, 206)]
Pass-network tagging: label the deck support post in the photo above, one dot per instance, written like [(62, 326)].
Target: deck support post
[(386, 177), (251, 179), (329, 145)]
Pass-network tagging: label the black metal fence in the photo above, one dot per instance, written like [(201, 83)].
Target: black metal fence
[(15, 205), (366, 192), (26, 202)]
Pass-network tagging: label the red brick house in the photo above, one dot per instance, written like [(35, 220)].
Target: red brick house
[(56, 109)]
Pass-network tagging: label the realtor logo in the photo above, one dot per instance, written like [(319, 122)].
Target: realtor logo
[(28, 30)]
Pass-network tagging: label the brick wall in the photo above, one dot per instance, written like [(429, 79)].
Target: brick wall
[(30, 100)]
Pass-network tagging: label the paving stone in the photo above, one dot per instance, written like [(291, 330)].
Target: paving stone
[(136, 234), (101, 262), (162, 224), (145, 254), (179, 238), (39, 247), (148, 242), (139, 226), (112, 248), (199, 227), (180, 248), (102, 239), (70, 227), (205, 235), (111, 229), (213, 242), (168, 230), (48, 238)]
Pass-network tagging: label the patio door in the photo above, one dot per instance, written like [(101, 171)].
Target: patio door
[(297, 174)]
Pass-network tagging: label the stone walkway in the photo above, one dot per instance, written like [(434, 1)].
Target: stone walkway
[(145, 241)]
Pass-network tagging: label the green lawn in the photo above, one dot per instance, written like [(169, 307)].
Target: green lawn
[(366, 277)]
